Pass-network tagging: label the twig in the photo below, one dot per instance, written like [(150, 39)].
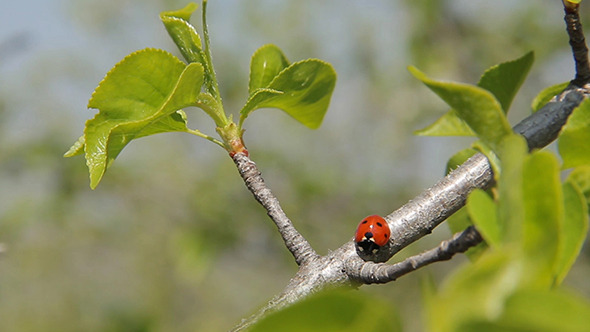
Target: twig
[(343, 265), (577, 42), (415, 219), (295, 242), (379, 273)]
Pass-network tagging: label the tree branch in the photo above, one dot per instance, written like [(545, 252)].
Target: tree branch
[(380, 273), (421, 215), (577, 42), (295, 242)]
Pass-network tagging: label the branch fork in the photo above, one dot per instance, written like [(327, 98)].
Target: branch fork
[(417, 218)]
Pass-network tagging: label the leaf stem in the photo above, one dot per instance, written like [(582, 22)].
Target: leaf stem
[(212, 85), (205, 136)]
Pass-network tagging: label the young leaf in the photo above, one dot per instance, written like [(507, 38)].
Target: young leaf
[(140, 96), (542, 310), (573, 231), (483, 212), (580, 177), (183, 33), (510, 201), (77, 148), (302, 90), (476, 106), (333, 311), (459, 158), (543, 214), (574, 139), (475, 291), (449, 124), (546, 95), (266, 63), (502, 80)]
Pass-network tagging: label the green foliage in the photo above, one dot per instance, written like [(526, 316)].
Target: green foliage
[(535, 229), (476, 106), (302, 89), (482, 210), (140, 96), (145, 93), (580, 178), (502, 80), (333, 311), (546, 95), (574, 139)]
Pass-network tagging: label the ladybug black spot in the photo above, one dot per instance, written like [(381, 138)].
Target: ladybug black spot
[(379, 224), (368, 235), (365, 221)]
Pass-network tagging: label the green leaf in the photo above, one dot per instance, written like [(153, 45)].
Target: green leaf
[(266, 63), (476, 106), (555, 310), (459, 158), (510, 197), (302, 90), (140, 96), (574, 139), (333, 311), (449, 124), (580, 177), (543, 215), (475, 291), (502, 80), (546, 95), (183, 33), (505, 79), (77, 148), (483, 213), (573, 231)]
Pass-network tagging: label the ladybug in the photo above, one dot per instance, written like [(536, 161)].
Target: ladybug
[(371, 234)]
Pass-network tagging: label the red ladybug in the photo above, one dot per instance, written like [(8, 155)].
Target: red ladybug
[(372, 233)]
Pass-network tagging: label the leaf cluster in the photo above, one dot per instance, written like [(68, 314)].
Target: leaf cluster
[(146, 92), (533, 223)]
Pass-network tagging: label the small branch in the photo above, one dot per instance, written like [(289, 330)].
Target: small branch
[(295, 242), (379, 273), (422, 214), (577, 43), (543, 126)]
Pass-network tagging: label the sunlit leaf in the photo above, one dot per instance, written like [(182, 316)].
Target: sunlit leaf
[(546, 95), (510, 199), (266, 63), (333, 311), (475, 291), (580, 177), (574, 139), (77, 148), (476, 106), (459, 158), (543, 214), (573, 231), (302, 90), (543, 310), (505, 79), (502, 80), (449, 124), (183, 33), (140, 96), (483, 213)]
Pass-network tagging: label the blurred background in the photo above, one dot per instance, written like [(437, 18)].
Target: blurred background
[(171, 240)]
